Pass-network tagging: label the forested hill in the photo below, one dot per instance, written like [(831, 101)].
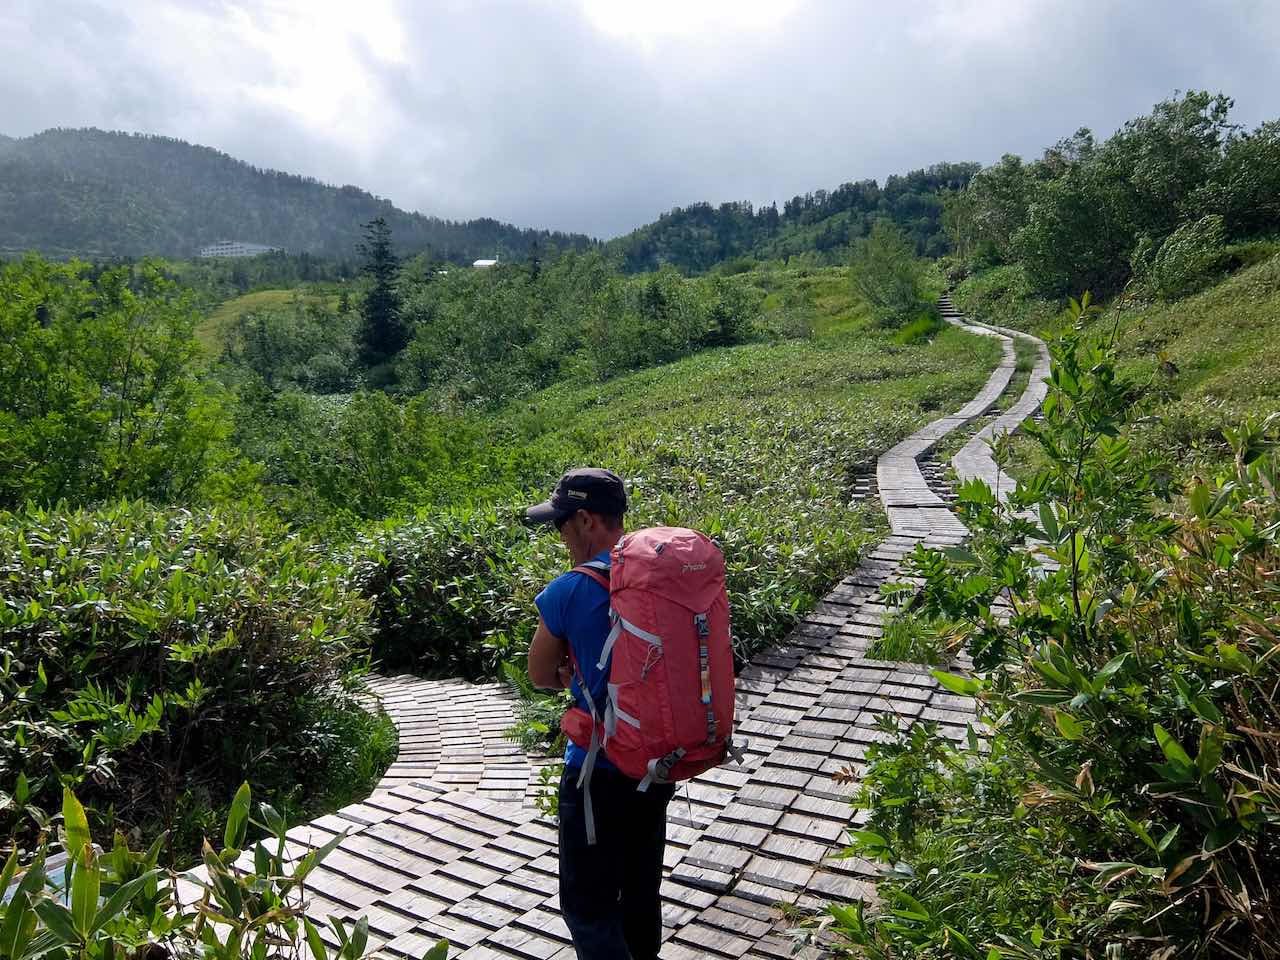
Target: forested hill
[(94, 193), (697, 237)]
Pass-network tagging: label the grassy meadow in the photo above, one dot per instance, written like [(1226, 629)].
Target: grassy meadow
[(212, 329)]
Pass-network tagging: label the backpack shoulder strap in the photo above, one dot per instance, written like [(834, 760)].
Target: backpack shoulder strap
[(597, 570)]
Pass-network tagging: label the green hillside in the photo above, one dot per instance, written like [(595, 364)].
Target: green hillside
[(1204, 363), (98, 194), (1220, 345), (824, 222)]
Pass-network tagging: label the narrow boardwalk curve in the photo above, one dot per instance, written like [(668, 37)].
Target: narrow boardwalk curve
[(974, 458), (450, 844)]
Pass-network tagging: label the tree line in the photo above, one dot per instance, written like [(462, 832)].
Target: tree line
[(1154, 199), (824, 222)]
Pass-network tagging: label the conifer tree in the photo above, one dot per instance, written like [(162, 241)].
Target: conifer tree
[(382, 330)]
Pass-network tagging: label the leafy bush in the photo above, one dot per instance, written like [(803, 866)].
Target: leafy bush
[(119, 904), (1187, 260), (1125, 796), (485, 337), (914, 639), (1003, 296), (100, 395), (305, 347), (452, 593), (1087, 214), (150, 658), (924, 326), (658, 318), (331, 462), (887, 274)]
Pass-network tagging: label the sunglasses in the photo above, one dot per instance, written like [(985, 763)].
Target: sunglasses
[(561, 521)]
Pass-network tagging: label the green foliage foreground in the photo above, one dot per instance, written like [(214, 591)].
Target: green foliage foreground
[(149, 658), (1121, 797), (248, 903)]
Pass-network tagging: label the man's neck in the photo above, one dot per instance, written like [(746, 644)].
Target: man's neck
[(597, 546)]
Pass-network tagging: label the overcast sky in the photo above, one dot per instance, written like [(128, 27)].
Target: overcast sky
[(597, 115)]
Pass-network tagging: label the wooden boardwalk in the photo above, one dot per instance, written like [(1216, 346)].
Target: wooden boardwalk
[(450, 844), (974, 458)]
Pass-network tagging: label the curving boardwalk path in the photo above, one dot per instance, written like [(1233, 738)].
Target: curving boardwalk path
[(450, 844)]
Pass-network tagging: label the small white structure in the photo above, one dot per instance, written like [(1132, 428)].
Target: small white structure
[(235, 248), (484, 264)]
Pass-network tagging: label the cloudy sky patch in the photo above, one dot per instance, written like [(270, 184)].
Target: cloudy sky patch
[(597, 115)]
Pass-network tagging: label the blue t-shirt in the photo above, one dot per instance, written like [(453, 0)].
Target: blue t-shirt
[(576, 609)]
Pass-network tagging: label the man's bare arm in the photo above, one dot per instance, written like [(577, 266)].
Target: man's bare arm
[(548, 660)]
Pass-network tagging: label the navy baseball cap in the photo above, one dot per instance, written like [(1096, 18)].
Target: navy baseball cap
[(582, 488)]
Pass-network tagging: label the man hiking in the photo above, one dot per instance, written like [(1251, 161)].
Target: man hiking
[(608, 888)]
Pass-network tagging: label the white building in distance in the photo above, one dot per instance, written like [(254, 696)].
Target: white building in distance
[(235, 248), (484, 264)]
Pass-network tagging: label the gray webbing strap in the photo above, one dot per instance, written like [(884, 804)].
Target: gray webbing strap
[(584, 776), (584, 782), (660, 769), (620, 624), (618, 712), (610, 640), (645, 635)]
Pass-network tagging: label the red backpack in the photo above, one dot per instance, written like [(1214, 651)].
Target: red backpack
[(669, 711)]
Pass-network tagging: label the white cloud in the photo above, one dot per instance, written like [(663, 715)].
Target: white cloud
[(599, 114), (646, 20)]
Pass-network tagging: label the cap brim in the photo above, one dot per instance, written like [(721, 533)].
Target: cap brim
[(540, 513)]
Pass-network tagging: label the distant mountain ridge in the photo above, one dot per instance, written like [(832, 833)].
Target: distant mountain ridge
[(95, 193)]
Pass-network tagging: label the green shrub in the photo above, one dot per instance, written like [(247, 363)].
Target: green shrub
[(1125, 797), (1237, 256), (453, 594), (100, 391), (119, 903), (887, 274), (1187, 260), (305, 346), (910, 638), (486, 337), (1003, 296), (924, 326), (653, 319), (152, 658)]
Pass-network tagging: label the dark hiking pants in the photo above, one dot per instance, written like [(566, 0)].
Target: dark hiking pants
[(609, 891)]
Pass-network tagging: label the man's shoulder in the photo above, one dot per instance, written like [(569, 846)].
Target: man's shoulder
[(565, 587)]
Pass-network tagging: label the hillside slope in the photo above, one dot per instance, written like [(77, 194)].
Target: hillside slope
[(697, 237), (94, 193), (1207, 361), (1198, 365)]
